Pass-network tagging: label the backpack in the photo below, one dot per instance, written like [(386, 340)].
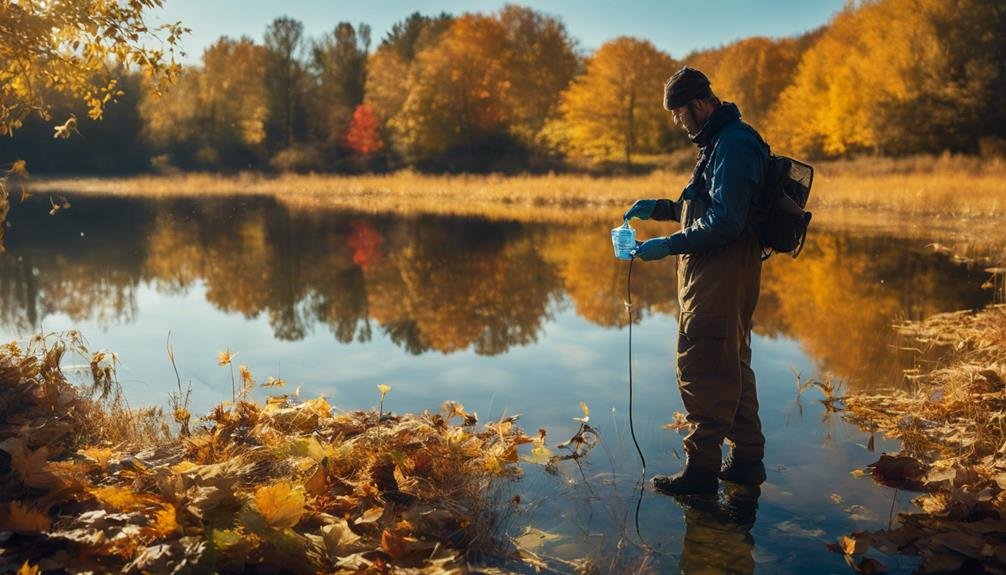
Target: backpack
[(777, 215)]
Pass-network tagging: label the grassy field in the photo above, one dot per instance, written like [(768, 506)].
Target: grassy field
[(936, 190)]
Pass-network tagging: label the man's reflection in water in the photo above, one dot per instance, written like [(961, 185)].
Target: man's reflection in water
[(718, 531)]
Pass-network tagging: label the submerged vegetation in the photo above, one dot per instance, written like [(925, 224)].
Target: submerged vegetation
[(952, 425), (283, 485)]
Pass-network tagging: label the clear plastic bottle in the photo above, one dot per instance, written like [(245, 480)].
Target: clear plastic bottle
[(623, 238)]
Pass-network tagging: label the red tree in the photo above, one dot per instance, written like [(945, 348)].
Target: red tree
[(363, 135)]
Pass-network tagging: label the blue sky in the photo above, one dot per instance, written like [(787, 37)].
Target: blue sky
[(675, 26)]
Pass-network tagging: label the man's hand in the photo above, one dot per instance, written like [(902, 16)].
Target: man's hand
[(642, 209), (652, 249)]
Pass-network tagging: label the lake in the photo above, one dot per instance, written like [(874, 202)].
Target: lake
[(506, 318)]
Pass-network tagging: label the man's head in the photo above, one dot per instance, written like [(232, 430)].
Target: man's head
[(689, 98)]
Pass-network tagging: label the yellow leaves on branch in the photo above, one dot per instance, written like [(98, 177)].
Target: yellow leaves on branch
[(65, 48), (280, 504)]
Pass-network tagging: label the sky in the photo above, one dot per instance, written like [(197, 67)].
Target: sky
[(675, 26)]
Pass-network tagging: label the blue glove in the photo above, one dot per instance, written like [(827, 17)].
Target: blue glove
[(642, 209), (652, 249)]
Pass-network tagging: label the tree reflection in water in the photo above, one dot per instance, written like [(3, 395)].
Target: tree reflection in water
[(442, 284)]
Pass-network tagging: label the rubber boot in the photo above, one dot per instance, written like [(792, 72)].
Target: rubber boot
[(743, 472), (687, 483)]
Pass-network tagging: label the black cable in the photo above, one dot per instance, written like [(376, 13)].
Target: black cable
[(628, 311)]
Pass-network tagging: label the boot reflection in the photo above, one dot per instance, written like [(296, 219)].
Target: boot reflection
[(718, 531)]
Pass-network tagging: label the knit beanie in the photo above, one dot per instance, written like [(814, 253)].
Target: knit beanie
[(685, 85)]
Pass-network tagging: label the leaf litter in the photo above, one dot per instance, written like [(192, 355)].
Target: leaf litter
[(952, 424), (282, 485)]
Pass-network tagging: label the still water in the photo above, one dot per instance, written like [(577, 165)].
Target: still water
[(505, 318)]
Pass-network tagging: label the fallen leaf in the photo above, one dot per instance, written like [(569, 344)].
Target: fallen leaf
[(316, 484), (338, 537), (20, 518), (100, 455), (370, 515), (533, 538), (120, 498), (165, 521), (854, 546), (899, 471), (397, 547), (280, 504)]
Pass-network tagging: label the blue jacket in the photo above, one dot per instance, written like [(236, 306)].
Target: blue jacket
[(730, 174)]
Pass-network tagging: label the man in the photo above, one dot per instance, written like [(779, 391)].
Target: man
[(719, 271)]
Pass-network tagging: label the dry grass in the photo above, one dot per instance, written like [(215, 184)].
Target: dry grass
[(945, 189), (281, 486)]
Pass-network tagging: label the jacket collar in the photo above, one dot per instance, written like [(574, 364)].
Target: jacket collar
[(726, 113)]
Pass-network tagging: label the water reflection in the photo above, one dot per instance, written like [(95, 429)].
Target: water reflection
[(718, 531), (441, 284)]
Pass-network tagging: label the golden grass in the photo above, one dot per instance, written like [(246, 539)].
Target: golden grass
[(276, 486), (944, 190)]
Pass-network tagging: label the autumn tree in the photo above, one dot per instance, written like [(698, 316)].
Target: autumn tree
[(338, 61), (388, 67), (364, 135), (408, 37), (65, 47), (616, 107), (751, 73), (898, 76), (543, 62), (286, 79), (216, 115), (457, 91)]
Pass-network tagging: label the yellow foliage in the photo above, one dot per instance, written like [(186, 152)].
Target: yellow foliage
[(615, 109), (892, 76), (66, 48), (280, 504), (27, 569)]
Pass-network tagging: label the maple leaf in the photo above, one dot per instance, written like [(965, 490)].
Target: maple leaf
[(280, 504), (31, 466)]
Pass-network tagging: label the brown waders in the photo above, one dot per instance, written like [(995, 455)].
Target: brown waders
[(717, 293)]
